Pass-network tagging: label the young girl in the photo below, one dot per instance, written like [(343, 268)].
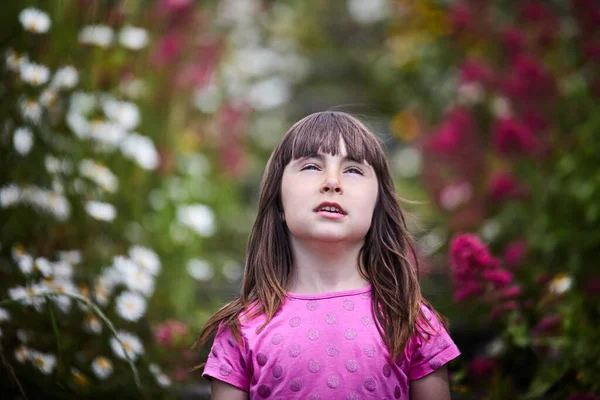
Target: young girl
[(330, 305)]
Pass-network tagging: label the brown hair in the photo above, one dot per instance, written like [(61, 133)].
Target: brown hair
[(387, 259)]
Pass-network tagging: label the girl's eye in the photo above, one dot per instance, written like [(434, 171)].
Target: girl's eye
[(309, 167), (354, 170)]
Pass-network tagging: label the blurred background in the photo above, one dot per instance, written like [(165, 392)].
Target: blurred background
[(134, 134)]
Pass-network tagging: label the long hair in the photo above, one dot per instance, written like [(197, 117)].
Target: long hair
[(387, 259)]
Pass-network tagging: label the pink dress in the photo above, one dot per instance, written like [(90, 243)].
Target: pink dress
[(324, 346)]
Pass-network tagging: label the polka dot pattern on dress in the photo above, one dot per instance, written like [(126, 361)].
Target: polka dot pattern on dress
[(333, 351), (352, 365), (352, 396), (312, 334), (333, 381), (264, 391), (277, 339), (387, 370), (366, 321), (350, 334), (442, 343), (314, 366), (369, 351), (370, 384), (277, 371), (295, 385), (294, 350), (312, 305), (225, 369), (331, 319), (314, 396), (261, 359), (295, 322), (348, 305), (435, 363)]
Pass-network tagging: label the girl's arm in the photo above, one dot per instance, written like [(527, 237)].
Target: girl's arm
[(220, 390), (431, 387)]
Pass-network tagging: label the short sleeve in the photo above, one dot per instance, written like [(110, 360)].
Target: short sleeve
[(431, 352), (226, 361)]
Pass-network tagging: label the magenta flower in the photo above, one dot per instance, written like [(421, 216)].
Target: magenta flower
[(511, 137), (461, 17), (474, 70), (469, 255), (528, 80), (513, 41), (174, 5), (167, 49), (468, 289), (497, 277), (482, 367), (505, 186), (510, 292), (454, 135), (510, 305), (515, 253)]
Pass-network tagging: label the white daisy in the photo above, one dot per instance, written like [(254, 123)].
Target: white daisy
[(25, 264), (125, 113), (141, 149), (22, 335), (65, 78), (23, 293), (35, 74), (83, 102), (139, 280), (368, 12), (44, 266), (130, 306), (48, 98), (21, 353), (62, 270), (92, 324), (163, 380), (61, 286), (54, 165), (101, 211), (145, 258), (96, 35), (102, 292), (199, 269), (23, 140), (58, 205), (15, 61), (4, 315), (31, 110), (109, 133), (78, 123), (133, 38), (561, 284), (198, 217), (72, 257), (44, 362), (34, 20), (99, 174), (9, 195), (102, 367), (133, 345)]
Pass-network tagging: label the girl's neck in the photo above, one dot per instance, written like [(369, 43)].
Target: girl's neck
[(325, 267)]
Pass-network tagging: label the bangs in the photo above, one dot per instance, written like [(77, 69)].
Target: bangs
[(321, 132)]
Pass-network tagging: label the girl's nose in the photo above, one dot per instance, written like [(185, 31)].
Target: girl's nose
[(332, 183)]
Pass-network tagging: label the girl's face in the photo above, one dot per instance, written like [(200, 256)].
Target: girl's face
[(329, 198)]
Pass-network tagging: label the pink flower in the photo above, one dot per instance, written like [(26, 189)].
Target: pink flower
[(512, 137), (163, 336), (454, 134), (504, 186), (167, 49), (461, 17), (510, 292), (528, 80), (503, 308), (453, 196), (513, 40), (497, 277), (474, 70), (482, 367), (469, 255), (515, 253), (466, 290), (174, 5)]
